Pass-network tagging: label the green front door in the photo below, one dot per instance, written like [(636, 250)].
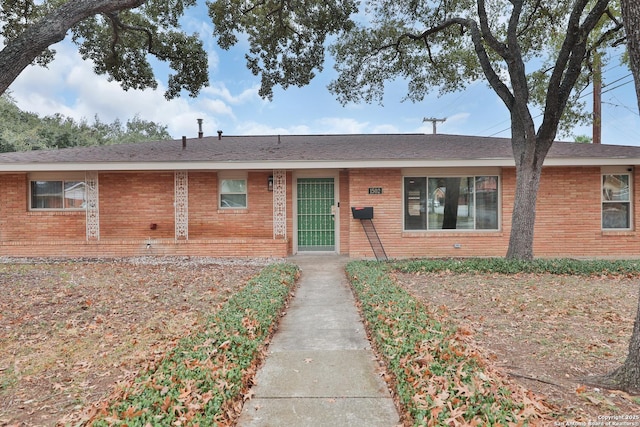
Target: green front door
[(316, 223)]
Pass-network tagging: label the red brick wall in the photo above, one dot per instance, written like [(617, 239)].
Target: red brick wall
[(568, 221), (388, 220), (18, 224), (567, 224), (131, 202), (344, 212), (206, 220), (387, 211), (290, 235)]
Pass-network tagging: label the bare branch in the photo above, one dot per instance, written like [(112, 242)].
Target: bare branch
[(569, 63), (424, 36), (608, 35), (499, 47)]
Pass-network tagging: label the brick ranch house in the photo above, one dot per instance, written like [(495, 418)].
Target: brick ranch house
[(241, 196)]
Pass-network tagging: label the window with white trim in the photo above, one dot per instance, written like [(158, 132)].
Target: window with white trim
[(616, 201), (50, 194), (451, 203), (233, 193)]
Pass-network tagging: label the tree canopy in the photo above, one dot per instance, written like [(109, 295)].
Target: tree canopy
[(631, 18), (522, 49), (24, 131), (286, 39), (532, 53)]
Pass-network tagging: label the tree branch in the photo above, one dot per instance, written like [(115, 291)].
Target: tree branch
[(569, 63), (485, 62), (517, 72), (52, 28), (117, 25), (499, 47), (609, 33), (531, 18)]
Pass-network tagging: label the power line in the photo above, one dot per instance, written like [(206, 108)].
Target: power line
[(617, 80), (616, 87), (509, 128), (582, 96), (622, 105)]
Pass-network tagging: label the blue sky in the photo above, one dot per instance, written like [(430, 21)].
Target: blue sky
[(231, 102)]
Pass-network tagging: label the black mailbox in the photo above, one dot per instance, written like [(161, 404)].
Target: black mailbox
[(362, 213)]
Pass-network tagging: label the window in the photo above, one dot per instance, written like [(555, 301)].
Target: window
[(451, 203), (58, 195), (233, 193), (616, 201)]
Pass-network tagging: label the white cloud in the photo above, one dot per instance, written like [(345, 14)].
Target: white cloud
[(70, 87), (384, 128), (254, 128), (216, 106), (342, 125), (327, 125), (219, 89)]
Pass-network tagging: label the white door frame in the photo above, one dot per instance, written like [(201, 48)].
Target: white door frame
[(321, 173)]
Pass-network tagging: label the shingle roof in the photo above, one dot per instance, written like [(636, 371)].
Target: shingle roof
[(316, 148)]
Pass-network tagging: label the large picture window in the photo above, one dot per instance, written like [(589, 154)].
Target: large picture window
[(616, 201), (451, 203), (233, 193), (57, 195)]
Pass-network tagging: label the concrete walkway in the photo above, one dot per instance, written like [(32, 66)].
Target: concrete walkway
[(320, 370)]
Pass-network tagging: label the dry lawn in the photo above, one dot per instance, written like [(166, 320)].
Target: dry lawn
[(547, 332), (69, 331)]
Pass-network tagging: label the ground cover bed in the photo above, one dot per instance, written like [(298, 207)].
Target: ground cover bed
[(77, 336), (535, 334), (125, 340)]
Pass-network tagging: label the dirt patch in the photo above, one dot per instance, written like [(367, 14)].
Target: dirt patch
[(69, 331), (547, 332)]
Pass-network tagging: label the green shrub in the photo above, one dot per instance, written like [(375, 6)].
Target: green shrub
[(560, 266), (439, 379)]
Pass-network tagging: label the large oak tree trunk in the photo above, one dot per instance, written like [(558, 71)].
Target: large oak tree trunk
[(451, 201), (627, 376), (529, 152), (523, 217)]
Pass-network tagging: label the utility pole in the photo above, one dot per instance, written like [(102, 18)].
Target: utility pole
[(433, 122), (597, 99)]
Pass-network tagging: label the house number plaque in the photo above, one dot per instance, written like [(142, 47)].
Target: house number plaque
[(375, 190)]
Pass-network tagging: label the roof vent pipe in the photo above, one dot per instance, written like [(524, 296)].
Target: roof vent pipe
[(219, 134), (200, 134), (184, 142)]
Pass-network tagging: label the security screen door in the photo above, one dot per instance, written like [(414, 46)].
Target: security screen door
[(316, 222)]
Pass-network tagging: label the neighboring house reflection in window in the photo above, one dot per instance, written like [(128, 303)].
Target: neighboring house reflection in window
[(451, 203), (57, 195)]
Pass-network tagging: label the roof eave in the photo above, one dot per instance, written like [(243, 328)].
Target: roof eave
[(245, 165), (301, 164)]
